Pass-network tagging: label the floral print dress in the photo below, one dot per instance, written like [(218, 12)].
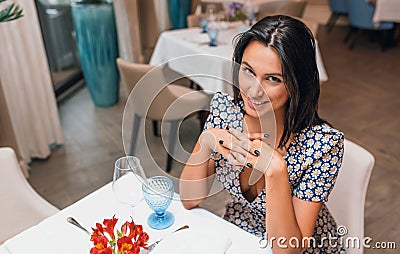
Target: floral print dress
[(313, 160)]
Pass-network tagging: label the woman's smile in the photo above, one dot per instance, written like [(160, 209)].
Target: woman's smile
[(256, 104)]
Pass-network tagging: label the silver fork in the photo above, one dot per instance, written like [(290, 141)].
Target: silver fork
[(153, 245)]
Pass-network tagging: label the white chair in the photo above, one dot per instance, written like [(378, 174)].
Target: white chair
[(161, 108), (347, 200), (21, 206)]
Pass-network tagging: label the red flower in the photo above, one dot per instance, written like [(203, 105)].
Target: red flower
[(98, 231), (110, 224), (129, 241), (100, 245), (94, 250), (124, 244), (142, 239)]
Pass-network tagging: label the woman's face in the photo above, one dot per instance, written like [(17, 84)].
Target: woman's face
[(261, 81)]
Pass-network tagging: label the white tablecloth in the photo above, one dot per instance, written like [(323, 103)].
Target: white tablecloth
[(55, 235), (184, 42), (387, 10)]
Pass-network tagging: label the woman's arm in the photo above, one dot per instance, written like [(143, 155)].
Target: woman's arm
[(287, 217), (197, 175)]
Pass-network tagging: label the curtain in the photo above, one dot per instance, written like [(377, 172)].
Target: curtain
[(138, 23), (26, 85), (129, 35)]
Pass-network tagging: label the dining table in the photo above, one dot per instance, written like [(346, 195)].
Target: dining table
[(207, 232), (387, 11), (187, 51)]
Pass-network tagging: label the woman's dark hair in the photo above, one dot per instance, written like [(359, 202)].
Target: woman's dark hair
[(295, 45)]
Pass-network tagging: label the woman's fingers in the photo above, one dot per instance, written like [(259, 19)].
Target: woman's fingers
[(260, 136), (236, 146), (243, 143)]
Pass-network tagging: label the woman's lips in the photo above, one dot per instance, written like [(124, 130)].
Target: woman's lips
[(256, 104)]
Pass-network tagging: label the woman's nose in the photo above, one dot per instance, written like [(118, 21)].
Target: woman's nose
[(256, 90)]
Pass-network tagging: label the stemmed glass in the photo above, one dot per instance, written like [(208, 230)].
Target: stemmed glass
[(203, 23), (127, 180), (158, 193), (213, 35)]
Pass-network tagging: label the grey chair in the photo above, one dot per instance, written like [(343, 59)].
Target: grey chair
[(294, 8), (164, 107)]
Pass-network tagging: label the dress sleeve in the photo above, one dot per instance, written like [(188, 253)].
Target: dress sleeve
[(323, 160), (214, 118)]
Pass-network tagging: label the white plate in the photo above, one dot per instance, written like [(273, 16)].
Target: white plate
[(194, 241)]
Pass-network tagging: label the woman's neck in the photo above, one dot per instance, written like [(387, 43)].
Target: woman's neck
[(265, 124)]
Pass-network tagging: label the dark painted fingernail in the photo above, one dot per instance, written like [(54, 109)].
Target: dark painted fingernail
[(221, 141), (249, 165), (266, 135), (256, 152)]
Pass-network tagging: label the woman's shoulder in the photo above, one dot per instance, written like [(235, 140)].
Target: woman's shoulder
[(223, 103), (224, 113), (323, 134), (221, 98)]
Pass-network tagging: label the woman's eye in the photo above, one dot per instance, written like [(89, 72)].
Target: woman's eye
[(247, 71), (274, 79)]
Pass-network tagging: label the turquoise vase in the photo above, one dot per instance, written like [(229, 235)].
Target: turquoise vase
[(178, 11), (96, 36)]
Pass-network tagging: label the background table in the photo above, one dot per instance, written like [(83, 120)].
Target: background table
[(55, 235), (387, 10), (184, 42)]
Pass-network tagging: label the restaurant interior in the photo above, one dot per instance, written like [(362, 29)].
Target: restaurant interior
[(67, 114)]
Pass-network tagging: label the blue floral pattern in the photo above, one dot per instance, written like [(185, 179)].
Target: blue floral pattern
[(313, 159)]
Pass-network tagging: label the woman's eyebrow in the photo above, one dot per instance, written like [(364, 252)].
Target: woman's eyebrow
[(266, 74)]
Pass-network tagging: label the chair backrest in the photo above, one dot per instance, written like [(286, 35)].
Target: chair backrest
[(193, 20), (338, 6), (361, 13), (216, 5), (21, 206), (153, 88), (293, 8), (271, 7), (347, 200)]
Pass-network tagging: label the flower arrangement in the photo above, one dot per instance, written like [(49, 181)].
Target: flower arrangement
[(129, 240), (10, 12), (235, 11)]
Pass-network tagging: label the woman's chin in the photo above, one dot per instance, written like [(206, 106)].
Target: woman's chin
[(258, 111)]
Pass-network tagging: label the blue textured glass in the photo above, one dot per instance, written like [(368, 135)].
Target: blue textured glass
[(158, 193), (96, 36), (203, 23), (213, 34), (178, 11)]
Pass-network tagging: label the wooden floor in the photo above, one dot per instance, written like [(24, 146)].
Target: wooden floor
[(361, 98)]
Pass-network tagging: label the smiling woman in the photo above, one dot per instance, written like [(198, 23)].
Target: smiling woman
[(278, 186)]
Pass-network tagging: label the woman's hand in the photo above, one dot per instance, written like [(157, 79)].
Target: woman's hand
[(210, 140), (250, 150)]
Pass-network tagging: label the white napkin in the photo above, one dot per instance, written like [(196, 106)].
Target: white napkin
[(194, 241)]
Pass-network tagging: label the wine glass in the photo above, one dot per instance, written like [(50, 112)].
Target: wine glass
[(158, 193), (127, 180)]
